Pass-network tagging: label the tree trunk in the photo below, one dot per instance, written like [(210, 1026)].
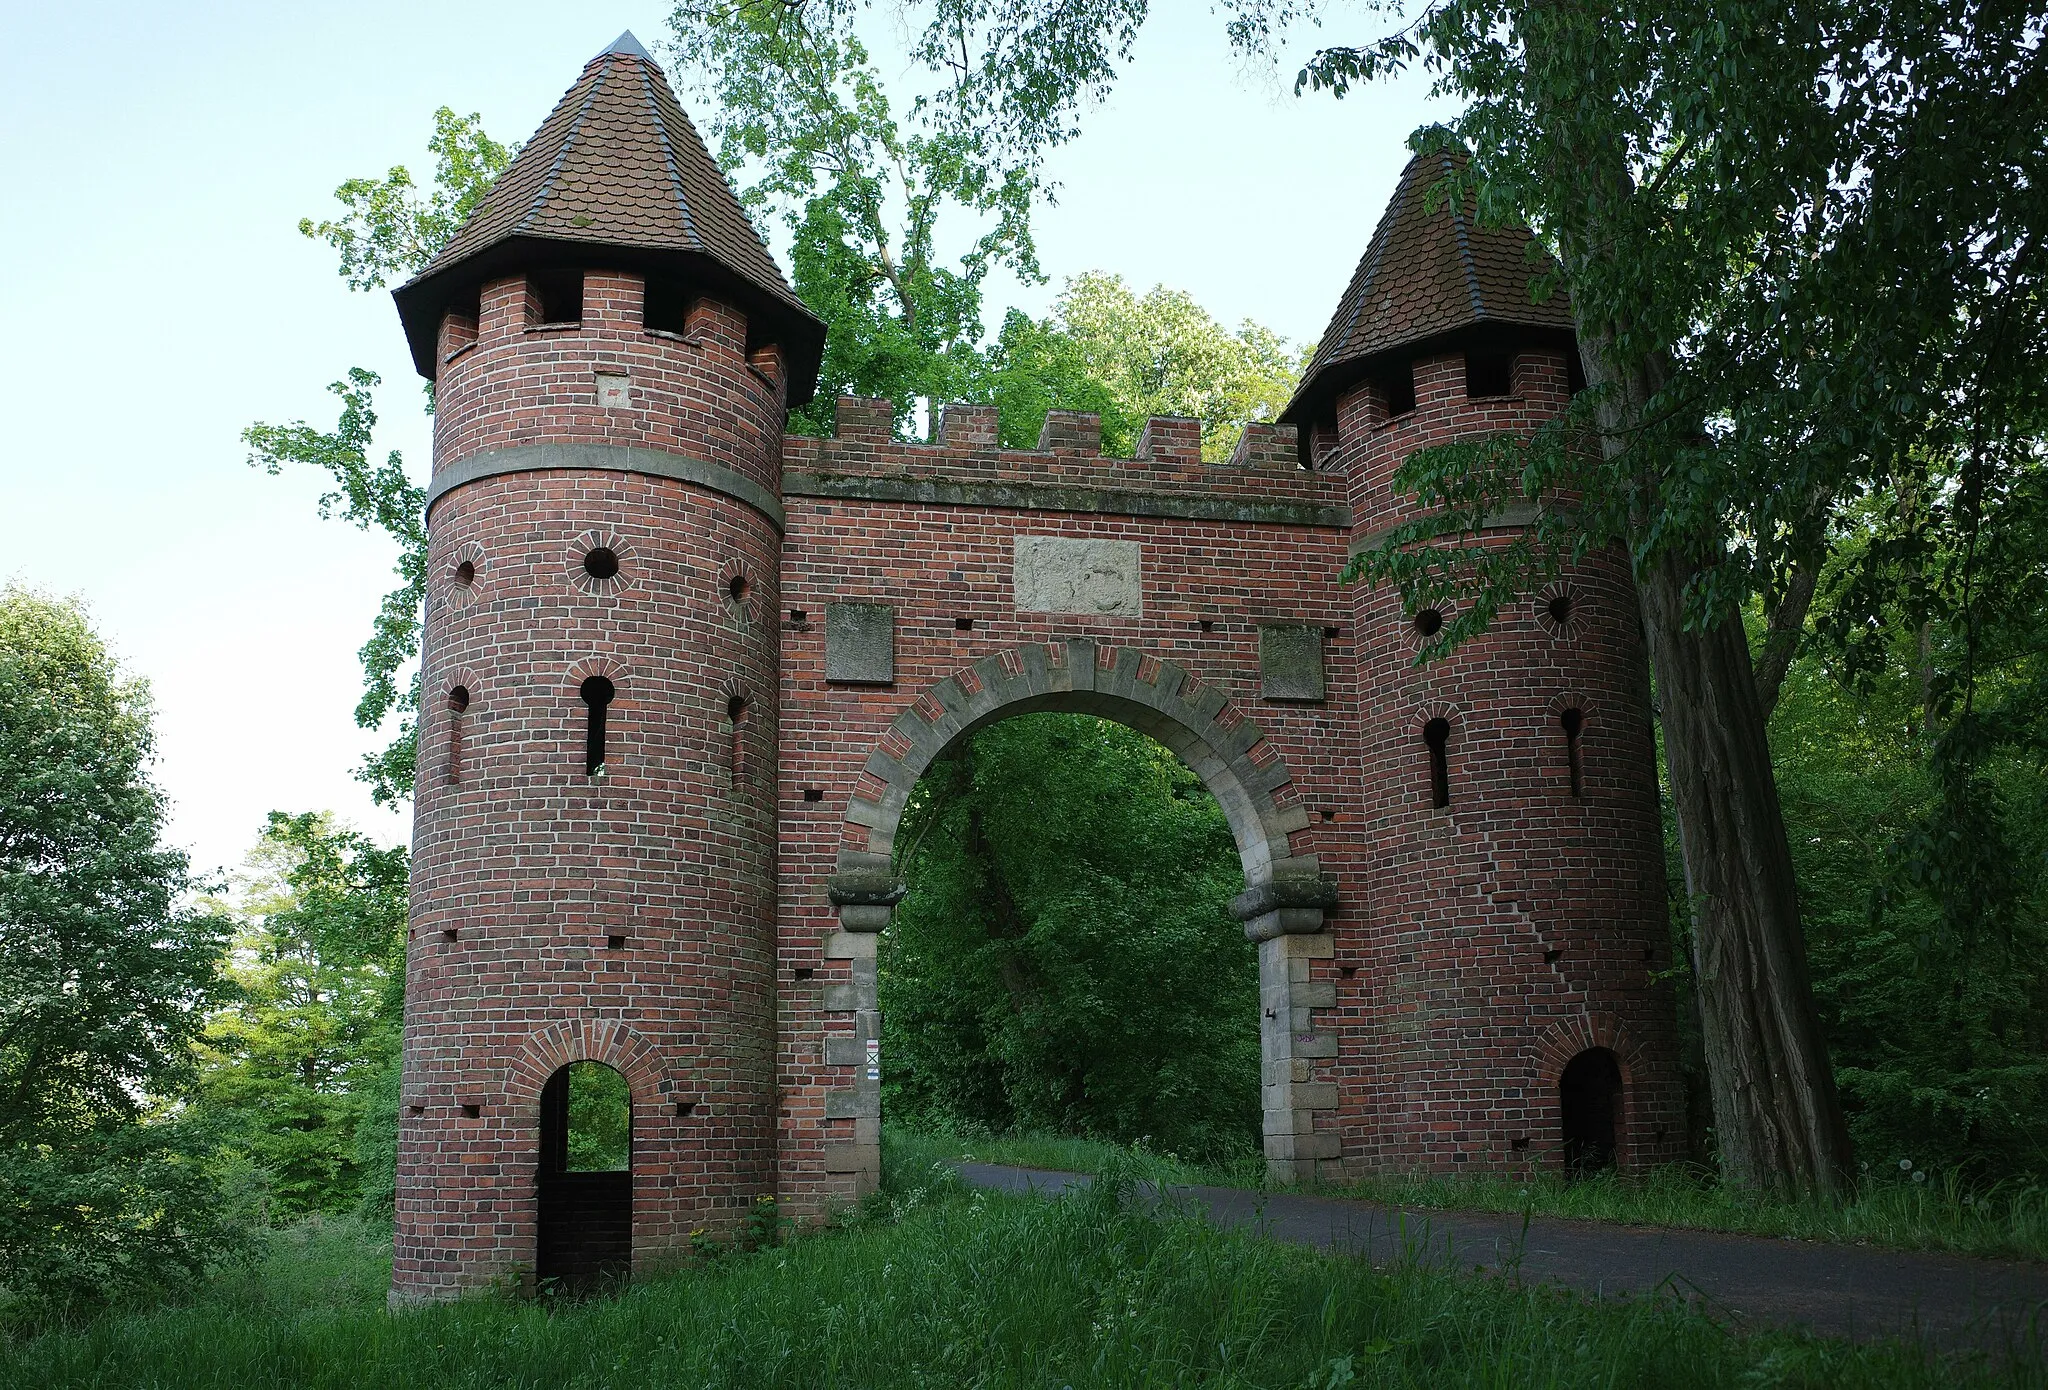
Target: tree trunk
[(1776, 1114), (1775, 1109)]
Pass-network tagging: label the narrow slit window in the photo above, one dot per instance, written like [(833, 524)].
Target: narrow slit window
[(1437, 735), (1573, 723), (458, 705), (736, 716), (597, 695)]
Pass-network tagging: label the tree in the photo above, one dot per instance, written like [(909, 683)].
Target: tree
[(388, 230), (1800, 251), (291, 1069), (108, 978), (1063, 959), (1160, 353), (1125, 356), (797, 110)]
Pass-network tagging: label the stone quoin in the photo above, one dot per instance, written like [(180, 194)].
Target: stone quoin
[(682, 671)]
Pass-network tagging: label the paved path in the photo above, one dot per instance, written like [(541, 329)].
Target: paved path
[(1851, 1291)]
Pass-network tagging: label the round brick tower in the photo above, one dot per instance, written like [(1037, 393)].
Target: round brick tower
[(613, 350), (1508, 1009)]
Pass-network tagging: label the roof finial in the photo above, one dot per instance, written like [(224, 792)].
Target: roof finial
[(628, 45)]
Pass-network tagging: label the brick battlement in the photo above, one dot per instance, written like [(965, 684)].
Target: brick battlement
[(865, 460)]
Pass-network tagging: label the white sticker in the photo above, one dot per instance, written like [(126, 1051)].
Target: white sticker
[(874, 1059)]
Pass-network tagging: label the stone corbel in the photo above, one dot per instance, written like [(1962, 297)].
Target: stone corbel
[(1291, 900), (865, 890)]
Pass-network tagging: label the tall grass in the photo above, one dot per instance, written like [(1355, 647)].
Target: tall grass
[(936, 1286), (1937, 1214)]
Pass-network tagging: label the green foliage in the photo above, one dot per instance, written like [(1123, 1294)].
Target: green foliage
[(956, 1288), (869, 187), (289, 1070), (108, 975), (600, 1119), (797, 109), (369, 497), (1063, 960), (1161, 354), (1935, 1000), (388, 230)]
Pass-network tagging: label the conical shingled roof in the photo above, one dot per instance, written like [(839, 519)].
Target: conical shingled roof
[(617, 177), (1427, 279)]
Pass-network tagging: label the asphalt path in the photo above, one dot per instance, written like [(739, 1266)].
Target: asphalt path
[(1850, 1291)]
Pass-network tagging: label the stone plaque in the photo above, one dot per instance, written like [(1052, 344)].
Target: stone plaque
[(1058, 574), (1291, 662), (860, 643), (614, 391)]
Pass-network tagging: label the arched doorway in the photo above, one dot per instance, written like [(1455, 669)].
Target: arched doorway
[(1589, 1094), (1063, 961), (586, 1178), (1282, 907)]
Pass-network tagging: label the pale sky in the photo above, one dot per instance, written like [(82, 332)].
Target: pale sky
[(156, 298)]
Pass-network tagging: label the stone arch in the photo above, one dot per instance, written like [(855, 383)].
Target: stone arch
[(605, 1040), (1285, 891), (1567, 1038), (1282, 907)]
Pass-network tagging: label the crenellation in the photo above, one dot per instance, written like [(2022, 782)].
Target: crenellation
[(1071, 432), (1171, 440)]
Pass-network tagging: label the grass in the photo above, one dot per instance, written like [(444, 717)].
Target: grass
[(937, 1286), (2010, 1221)]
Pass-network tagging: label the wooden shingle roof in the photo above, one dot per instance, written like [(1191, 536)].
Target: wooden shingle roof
[(617, 176), (1427, 279)]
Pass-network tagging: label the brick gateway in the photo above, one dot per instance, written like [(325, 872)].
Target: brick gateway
[(682, 671)]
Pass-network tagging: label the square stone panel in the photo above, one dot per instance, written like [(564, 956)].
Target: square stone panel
[(1066, 574), (860, 643), (1291, 662)]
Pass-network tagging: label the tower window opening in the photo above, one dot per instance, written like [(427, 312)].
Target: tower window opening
[(465, 573), (559, 295), (736, 715), (1397, 387), (1573, 723), (1560, 609), (458, 704), (1489, 374), (1589, 1096), (1437, 735), (736, 588), (1429, 621), (667, 308), (597, 693), (601, 562)]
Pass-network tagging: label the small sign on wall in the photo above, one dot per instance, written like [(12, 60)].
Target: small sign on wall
[(614, 391), (874, 1059)]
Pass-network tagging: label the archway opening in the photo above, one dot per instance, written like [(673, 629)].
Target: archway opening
[(1064, 962), (1589, 1093), (586, 1179)]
